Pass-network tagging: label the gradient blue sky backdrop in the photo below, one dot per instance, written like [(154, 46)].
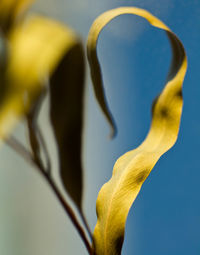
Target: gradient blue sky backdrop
[(165, 218)]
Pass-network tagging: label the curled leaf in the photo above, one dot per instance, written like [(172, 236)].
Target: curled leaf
[(66, 112), (131, 169)]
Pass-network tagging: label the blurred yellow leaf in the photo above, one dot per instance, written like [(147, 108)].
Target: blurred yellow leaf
[(10, 10), (130, 170), (35, 49)]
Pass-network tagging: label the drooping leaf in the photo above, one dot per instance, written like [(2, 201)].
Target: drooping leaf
[(35, 49), (66, 112), (131, 169), (11, 10)]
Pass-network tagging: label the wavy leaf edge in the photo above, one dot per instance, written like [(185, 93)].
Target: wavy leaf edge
[(131, 169)]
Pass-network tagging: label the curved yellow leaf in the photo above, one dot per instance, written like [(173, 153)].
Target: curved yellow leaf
[(10, 10), (36, 47), (130, 170)]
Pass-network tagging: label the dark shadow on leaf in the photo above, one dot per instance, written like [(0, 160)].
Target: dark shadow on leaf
[(66, 113)]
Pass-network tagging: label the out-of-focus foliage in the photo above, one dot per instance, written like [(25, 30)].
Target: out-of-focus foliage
[(132, 169), (35, 50), (11, 11)]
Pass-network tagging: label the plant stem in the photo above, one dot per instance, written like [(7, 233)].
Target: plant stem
[(13, 143), (67, 209), (20, 149), (86, 224), (44, 146)]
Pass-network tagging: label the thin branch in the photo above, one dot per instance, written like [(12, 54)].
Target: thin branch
[(69, 211), (45, 150), (35, 134), (86, 224), (20, 149)]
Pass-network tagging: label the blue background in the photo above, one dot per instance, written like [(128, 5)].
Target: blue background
[(165, 218)]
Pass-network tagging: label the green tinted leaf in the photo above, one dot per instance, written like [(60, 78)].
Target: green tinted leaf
[(130, 170), (66, 99)]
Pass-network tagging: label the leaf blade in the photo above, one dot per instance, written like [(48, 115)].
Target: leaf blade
[(66, 112), (131, 169)]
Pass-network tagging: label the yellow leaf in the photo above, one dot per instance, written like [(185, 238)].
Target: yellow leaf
[(10, 10), (130, 170), (35, 49)]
